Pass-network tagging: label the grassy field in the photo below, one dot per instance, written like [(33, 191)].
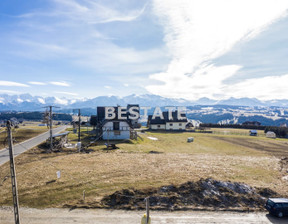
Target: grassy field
[(232, 131), (143, 164), (21, 134)]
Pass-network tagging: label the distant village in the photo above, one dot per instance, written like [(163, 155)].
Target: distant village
[(120, 127)]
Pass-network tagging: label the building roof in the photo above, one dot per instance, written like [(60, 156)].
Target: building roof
[(136, 109), (107, 121), (132, 105), (156, 120), (101, 114), (174, 118)]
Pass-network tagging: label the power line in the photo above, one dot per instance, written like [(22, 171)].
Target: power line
[(79, 127), (50, 125)]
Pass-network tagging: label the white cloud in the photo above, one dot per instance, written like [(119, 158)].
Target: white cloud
[(9, 83), (60, 84), (109, 57), (39, 49), (67, 93), (207, 81), (87, 11), (92, 12), (266, 88), (47, 47), (107, 87), (100, 48), (196, 32), (9, 91), (37, 83)]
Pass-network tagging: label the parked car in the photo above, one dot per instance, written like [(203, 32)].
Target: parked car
[(277, 206)]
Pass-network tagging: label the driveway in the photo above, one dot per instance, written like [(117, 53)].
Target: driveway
[(98, 216), (28, 144)]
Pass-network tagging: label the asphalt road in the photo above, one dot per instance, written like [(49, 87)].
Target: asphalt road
[(97, 216), (28, 144)]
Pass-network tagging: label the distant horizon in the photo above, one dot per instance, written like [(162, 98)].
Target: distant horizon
[(140, 95)]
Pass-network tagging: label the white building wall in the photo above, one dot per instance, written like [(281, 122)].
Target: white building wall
[(109, 133), (157, 126), (175, 126)]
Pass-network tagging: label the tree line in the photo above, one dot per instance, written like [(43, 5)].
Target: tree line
[(33, 116)]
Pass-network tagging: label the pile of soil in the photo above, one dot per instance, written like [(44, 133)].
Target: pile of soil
[(204, 194), (284, 164), (284, 168)]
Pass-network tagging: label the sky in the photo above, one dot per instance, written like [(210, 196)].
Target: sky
[(186, 49)]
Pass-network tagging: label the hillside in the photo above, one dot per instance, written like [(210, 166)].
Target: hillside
[(27, 102)]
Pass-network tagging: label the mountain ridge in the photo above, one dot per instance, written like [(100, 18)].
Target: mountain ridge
[(27, 102)]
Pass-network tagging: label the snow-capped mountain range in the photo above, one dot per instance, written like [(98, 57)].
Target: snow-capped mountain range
[(26, 102)]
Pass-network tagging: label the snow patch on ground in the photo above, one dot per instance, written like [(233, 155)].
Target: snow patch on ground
[(153, 138)]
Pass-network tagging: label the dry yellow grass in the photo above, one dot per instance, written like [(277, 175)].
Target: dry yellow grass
[(103, 172), (21, 134), (233, 131)]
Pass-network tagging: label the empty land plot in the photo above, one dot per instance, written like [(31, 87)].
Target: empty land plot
[(21, 134), (103, 172), (235, 131), (271, 146)]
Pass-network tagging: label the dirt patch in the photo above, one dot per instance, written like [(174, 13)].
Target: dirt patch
[(155, 152), (284, 164), (202, 194), (284, 168), (274, 148)]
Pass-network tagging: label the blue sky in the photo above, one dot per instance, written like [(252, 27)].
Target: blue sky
[(173, 48)]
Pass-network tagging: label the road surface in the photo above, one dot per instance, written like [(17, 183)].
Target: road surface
[(28, 144), (98, 216)]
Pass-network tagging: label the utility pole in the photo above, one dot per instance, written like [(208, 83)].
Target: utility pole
[(79, 120), (50, 126), (13, 175), (79, 130)]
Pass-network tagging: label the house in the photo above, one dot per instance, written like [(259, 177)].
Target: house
[(156, 124), (134, 122), (115, 127), (173, 123)]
